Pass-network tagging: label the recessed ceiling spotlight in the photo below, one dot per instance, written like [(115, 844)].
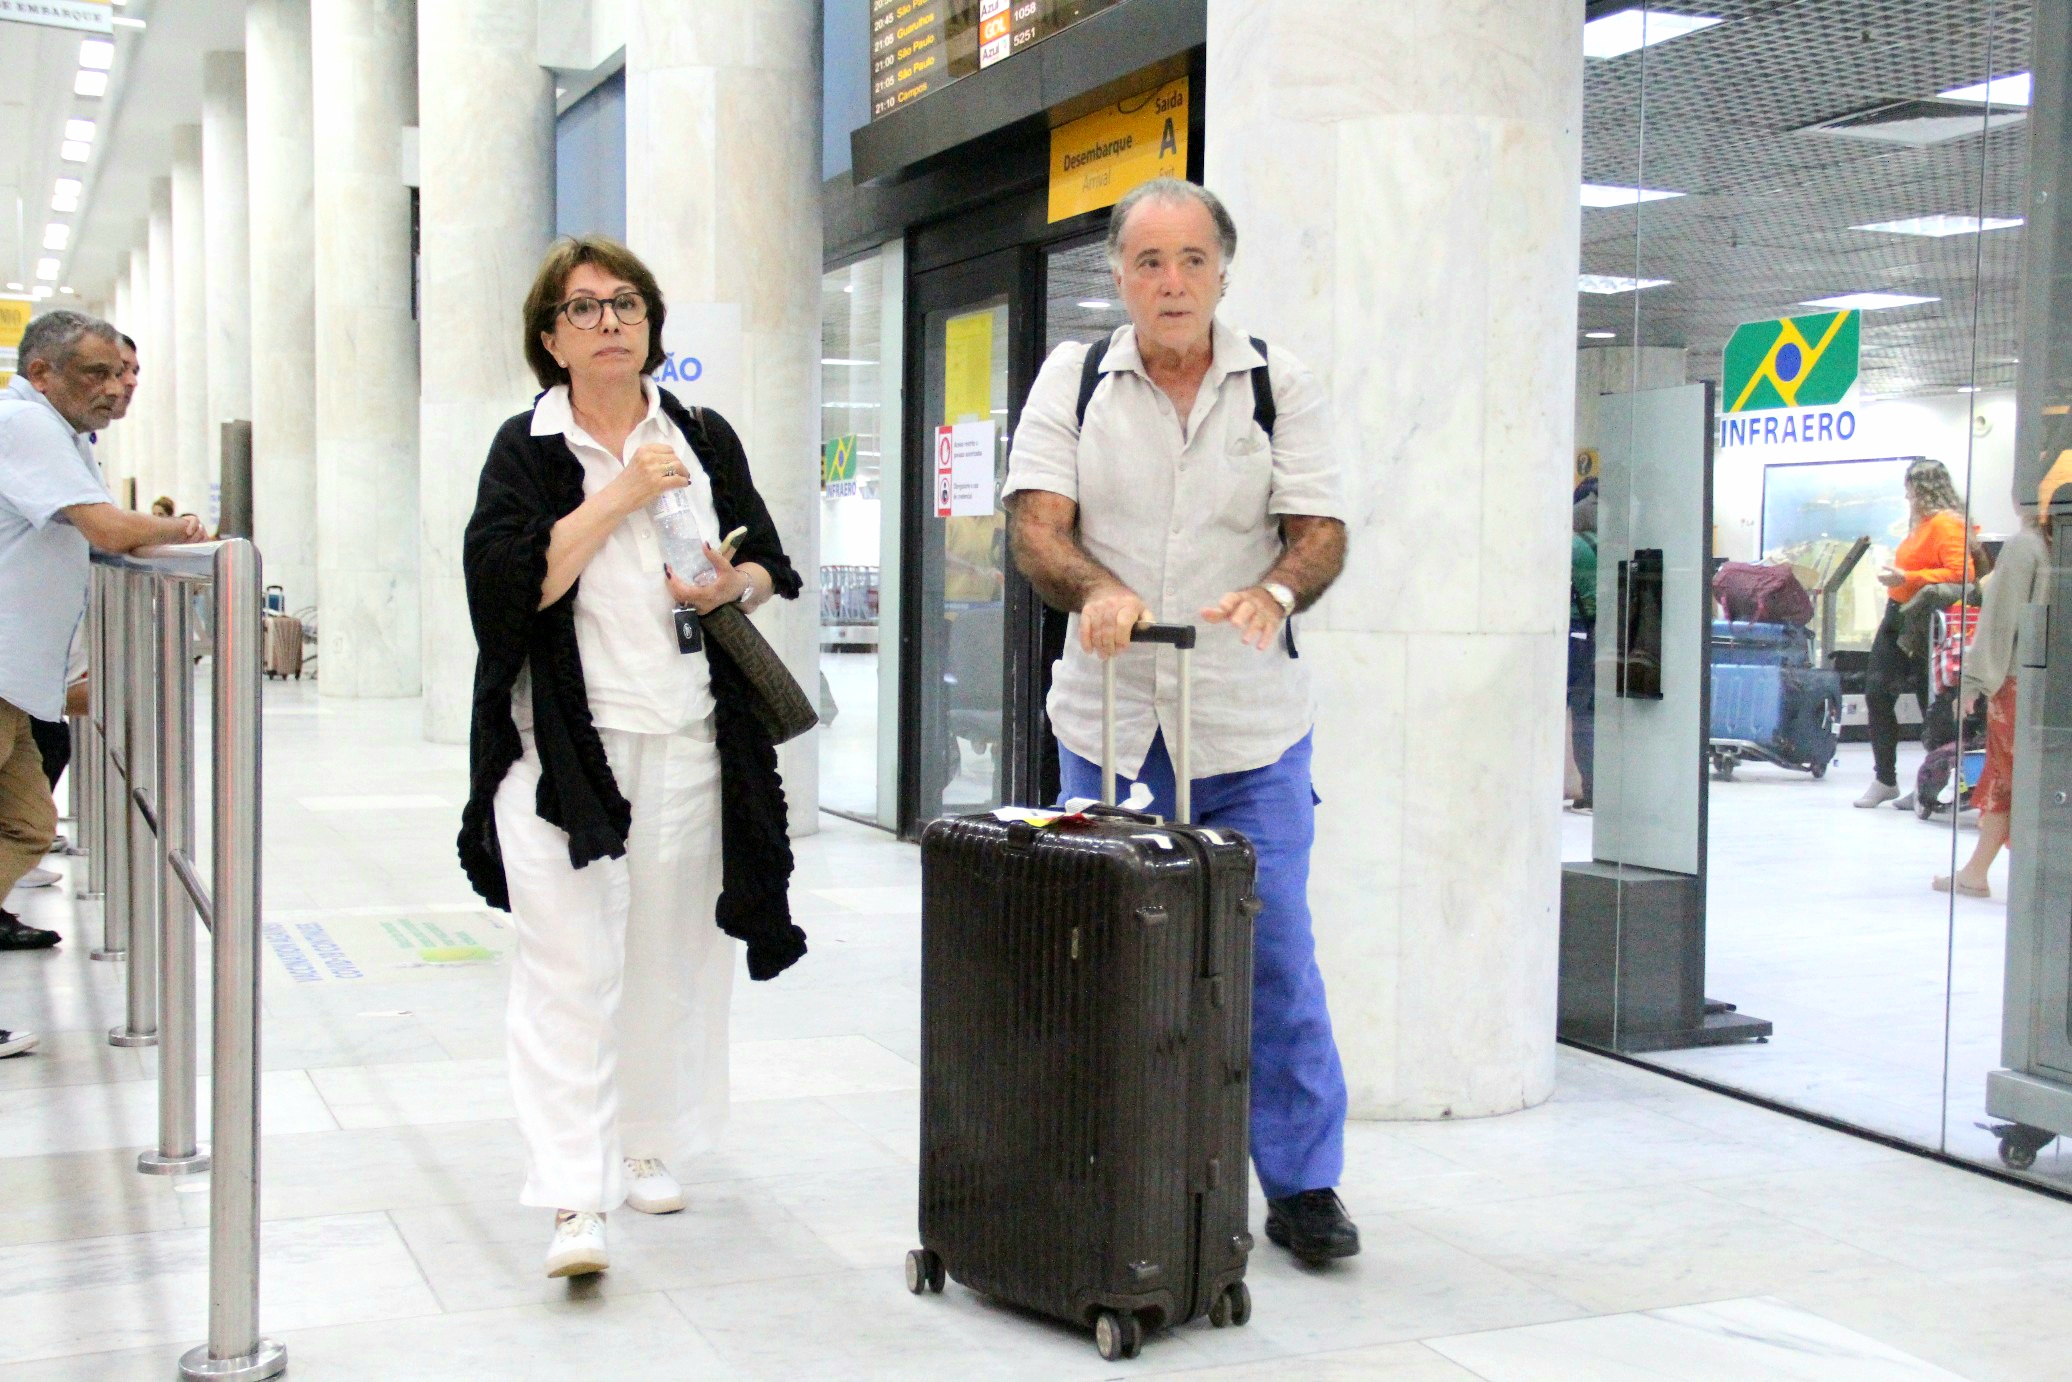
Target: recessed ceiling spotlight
[(14, 287), (1097, 304), (1617, 34), (2010, 90), (66, 291), (82, 130), (40, 292), (98, 54), (1600, 335), (1603, 194), (1605, 284), (1937, 227), (73, 151), (1967, 388), (89, 83), (1867, 302)]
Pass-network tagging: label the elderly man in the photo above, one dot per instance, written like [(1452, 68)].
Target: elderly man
[(1178, 471), (52, 505)]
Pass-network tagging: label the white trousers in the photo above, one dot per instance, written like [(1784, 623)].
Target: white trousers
[(619, 991)]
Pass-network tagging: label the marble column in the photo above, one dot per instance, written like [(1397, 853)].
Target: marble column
[(161, 363), (226, 216), (723, 201), (281, 154), (136, 444), (190, 338), (486, 202), (1403, 179), (109, 450), (366, 348)]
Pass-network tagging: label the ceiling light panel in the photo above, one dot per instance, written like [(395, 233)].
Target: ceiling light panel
[(1597, 194), (97, 54), (86, 82), (73, 151), (1606, 284), (47, 269), (1941, 227), (56, 235), (1615, 35), (1867, 302), (2010, 90), (81, 130)]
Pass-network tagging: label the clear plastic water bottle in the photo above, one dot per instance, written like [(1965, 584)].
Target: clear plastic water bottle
[(683, 546)]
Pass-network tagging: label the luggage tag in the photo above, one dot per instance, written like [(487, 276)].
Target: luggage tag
[(690, 634)]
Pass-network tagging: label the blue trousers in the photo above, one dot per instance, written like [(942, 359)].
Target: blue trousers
[(1298, 1087)]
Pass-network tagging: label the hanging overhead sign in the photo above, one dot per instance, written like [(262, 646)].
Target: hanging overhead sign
[(1789, 390), (1098, 157), (89, 16)]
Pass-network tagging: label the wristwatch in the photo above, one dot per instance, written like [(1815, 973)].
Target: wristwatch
[(1282, 596)]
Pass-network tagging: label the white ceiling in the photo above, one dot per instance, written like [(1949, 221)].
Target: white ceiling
[(155, 86)]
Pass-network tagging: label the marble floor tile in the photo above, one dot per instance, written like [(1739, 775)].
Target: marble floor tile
[(485, 1255), (75, 1057), (818, 1067), (1386, 1362), (88, 1194), (446, 1091), (99, 1294), (1729, 1338), (1640, 1248), (72, 1118)]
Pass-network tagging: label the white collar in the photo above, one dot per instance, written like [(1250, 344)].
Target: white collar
[(554, 415), (1229, 352)]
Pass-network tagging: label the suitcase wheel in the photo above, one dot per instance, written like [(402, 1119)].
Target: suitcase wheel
[(924, 1271), (1118, 1335), (1234, 1306)]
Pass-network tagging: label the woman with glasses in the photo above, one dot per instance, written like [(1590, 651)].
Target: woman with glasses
[(606, 733)]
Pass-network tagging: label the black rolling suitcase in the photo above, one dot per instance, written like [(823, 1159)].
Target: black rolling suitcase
[(1086, 1014)]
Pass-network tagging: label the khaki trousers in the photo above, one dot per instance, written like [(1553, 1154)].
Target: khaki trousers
[(28, 812)]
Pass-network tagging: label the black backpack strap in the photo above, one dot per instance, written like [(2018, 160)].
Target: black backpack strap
[(1090, 376), (1263, 410)]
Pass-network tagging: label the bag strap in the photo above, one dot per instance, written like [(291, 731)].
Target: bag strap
[(1090, 376), (1264, 411)]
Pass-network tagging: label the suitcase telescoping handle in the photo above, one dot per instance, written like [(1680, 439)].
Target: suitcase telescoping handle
[(1181, 637)]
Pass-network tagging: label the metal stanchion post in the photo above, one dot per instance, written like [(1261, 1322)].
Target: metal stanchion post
[(177, 1153), (108, 688), (235, 1348), (139, 669)]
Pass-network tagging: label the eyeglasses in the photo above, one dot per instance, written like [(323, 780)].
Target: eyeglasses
[(586, 314)]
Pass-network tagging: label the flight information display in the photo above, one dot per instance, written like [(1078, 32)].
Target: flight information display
[(919, 46)]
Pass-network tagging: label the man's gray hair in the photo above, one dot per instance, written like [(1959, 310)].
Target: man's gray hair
[(54, 336), (1171, 190)]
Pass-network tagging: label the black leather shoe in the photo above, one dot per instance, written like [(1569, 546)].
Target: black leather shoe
[(1313, 1225), (16, 936)]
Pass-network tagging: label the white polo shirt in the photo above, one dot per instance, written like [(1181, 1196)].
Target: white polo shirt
[(636, 678), (1183, 516)]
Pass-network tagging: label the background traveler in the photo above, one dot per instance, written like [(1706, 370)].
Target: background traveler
[(601, 746), (1170, 501), (1935, 551)]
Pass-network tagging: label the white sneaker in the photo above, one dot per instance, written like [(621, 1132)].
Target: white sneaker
[(578, 1246), (1877, 794), (17, 1042), (650, 1188), (39, 878)]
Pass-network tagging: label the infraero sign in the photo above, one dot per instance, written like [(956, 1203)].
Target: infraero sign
[(1791, 382)]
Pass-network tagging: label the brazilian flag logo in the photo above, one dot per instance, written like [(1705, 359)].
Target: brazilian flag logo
[(1799, 362)]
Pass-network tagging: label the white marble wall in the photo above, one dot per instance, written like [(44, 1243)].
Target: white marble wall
[(486, 169), (281, 154), (109, 449), (160, 471), (226, 215), (136, 444), (1403, 178), (191, 470), (365, 94), (723, 201)]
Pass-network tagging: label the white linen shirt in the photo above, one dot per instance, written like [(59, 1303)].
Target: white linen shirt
[(636, 678), (1182, 517), (46, 466)]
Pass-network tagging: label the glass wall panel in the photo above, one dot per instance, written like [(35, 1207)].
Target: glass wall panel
[(1800, 314)]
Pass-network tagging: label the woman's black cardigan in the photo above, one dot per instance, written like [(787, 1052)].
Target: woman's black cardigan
[(528, 484)]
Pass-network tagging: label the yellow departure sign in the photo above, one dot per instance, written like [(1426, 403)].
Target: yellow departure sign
[(1098, 157)]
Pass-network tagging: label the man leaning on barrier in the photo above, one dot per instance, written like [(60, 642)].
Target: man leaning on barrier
[(52, 507)]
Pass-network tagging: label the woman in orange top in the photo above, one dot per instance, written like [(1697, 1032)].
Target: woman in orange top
[(1938, 549)]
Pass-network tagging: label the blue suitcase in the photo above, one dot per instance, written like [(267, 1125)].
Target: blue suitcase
[(1786, 715)]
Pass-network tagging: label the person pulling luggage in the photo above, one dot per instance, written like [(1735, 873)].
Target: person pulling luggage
[(1179, 471)]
